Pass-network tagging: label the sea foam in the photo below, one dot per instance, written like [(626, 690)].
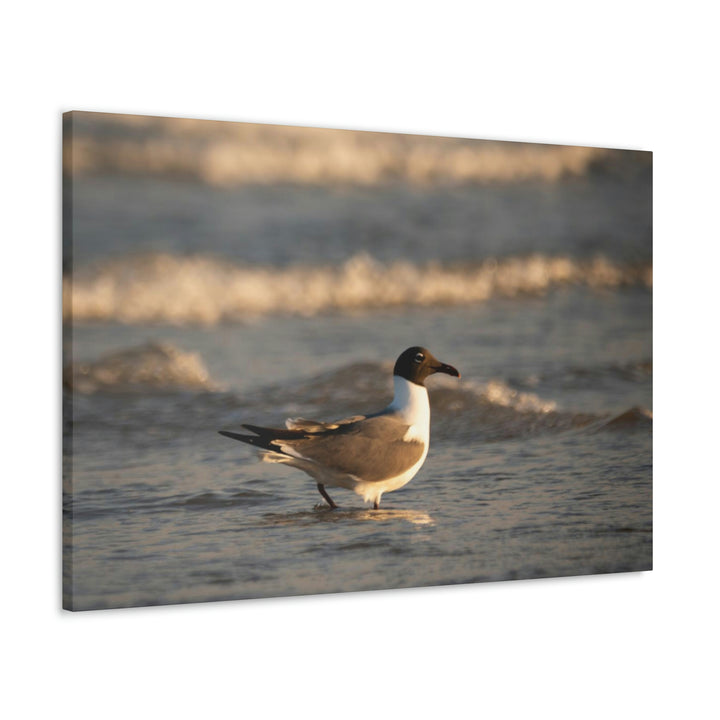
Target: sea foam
[(230, 154), (153, 366), (181, 290)]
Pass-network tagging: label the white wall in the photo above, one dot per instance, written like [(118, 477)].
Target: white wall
[(617, 74)]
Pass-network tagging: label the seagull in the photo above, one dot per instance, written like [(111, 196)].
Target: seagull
[(370, 454)]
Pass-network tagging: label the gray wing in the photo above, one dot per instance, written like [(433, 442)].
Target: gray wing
[(316, 426), (372, 449)]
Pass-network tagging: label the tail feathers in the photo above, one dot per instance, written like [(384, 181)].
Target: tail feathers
[(237, 436), (250, 439), (264, 437)]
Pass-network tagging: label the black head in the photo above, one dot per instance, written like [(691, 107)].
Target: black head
[(416, 363)]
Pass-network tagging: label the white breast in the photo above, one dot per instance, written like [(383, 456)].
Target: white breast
[(412, 404)]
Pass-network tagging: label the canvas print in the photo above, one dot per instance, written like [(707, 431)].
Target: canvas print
[(302, 360)]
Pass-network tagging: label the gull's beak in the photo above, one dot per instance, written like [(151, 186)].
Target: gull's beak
[(447, 369)]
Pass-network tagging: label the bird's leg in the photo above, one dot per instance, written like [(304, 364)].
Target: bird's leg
[(323, 492), (376, 505)]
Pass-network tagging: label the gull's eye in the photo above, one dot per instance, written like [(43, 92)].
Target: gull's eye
[(419, 358)]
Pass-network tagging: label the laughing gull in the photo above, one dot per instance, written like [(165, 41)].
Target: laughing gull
[(370, 454)]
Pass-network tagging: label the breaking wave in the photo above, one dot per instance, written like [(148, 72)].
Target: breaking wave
[(465, 411), (154, 366), (229, 154), (169, 289)]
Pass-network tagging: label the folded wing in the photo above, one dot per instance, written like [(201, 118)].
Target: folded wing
[(371, 449)]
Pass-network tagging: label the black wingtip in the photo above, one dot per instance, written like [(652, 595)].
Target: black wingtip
[(234, 436)]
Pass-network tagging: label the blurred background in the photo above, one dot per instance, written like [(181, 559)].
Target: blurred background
[(217, 273)]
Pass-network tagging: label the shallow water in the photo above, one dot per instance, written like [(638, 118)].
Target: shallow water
[(541, 455), (525, 478)]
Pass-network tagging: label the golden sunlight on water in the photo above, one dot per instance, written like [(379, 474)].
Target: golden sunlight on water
[(204, 290), (387, 515), (198, 300), (229, 154), (323, 514)]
